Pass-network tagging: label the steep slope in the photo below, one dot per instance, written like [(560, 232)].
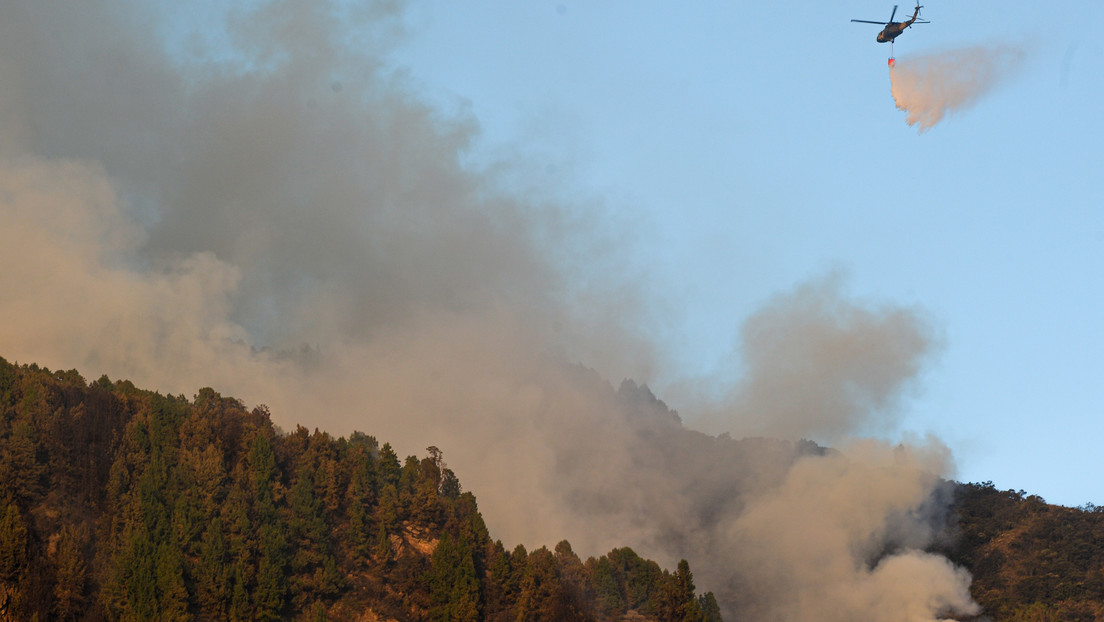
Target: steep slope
[(123, 504), (1030, 560)]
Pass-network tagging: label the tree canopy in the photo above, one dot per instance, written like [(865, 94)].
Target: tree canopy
[(123, 504)]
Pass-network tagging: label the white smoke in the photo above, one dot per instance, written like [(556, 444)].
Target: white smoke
[(931, 86), (842, 538)]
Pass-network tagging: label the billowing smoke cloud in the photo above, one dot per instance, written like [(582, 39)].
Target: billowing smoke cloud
[(282, 220), (825, 368), (931, 86), (841, 538)]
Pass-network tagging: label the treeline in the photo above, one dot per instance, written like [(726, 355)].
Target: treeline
[(1031, 561), (123, 504)]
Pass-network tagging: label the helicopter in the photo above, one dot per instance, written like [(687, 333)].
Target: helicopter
[(894, 29)]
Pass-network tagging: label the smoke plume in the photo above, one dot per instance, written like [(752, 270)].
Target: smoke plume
[(276, 216), (931, 86), (824, 367)]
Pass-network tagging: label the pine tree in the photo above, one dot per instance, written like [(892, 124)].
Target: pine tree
[(13, 544), (453, 585), (240, 608), (383, 545), (687, 608), (495, 599), (137, 577), (212, 587), (440, 578), (542, 594), (268, 598), (21, 473), (607, 589), (307, 527), (361, 501), (389, 511), (71, 573), (172, 593), (573, 576), (710, 610), (389, 468), (262, 476)]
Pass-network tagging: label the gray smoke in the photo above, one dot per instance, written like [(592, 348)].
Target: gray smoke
[(275, 215), (824, 367)]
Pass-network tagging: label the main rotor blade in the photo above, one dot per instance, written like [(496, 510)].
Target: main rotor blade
[(866, 21), (894, 13)]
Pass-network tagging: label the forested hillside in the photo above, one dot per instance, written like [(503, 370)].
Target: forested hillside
[(118, 503), (122, 504), (1031, 561)]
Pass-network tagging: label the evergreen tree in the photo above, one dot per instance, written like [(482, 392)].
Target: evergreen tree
[(641, 580), (383, 545), (607, 589), (307, 526), (212, 585), (263, 477), (240, 608), (389, 513), (425, 505), (573, 576), (172, 593), (331, 481), (268, 598), (453, 584), (137, 577), (686, 607), (497, 577), (389, 468), (209, 478), (21, 473), (710, 610), (361, 501), (542, 595), (13, 544), (71, 572), (519, 562)]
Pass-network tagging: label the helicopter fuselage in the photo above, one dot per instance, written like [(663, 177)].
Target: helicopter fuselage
[(891, 32), (891, 29)]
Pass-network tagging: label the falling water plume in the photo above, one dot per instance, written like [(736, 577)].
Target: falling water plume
[(929, 87)]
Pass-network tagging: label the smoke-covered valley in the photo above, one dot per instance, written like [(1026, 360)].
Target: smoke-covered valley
[(283, 220)]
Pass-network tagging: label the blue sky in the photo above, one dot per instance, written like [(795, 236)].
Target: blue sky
[(749, 147)]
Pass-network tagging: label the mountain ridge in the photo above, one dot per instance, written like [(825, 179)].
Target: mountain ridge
[(118, 503)]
